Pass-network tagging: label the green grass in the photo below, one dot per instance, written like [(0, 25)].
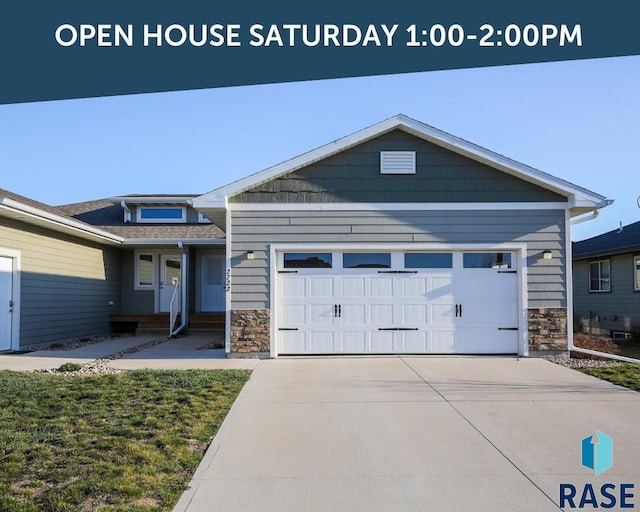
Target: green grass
[(129, 441), (627, 375)]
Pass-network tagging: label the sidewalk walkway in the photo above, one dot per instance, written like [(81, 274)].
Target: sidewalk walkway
[(182, 354), (176, 354), (47, 359)]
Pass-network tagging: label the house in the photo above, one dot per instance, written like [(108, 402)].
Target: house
[(73, 270), (606, 282), (399, 238)]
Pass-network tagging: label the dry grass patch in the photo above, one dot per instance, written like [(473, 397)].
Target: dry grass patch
[(128, 441)]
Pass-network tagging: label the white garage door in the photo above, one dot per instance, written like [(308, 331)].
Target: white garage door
[(413, 303)]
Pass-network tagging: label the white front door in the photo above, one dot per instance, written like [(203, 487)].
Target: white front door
[(170, 276), (212, 289), (6, 302)]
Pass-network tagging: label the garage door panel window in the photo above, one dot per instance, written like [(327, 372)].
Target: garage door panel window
[(428, 260), (308, 260), (495, 260), (366, 260)]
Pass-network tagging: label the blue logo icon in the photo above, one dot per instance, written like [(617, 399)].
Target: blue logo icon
[(597, 452)]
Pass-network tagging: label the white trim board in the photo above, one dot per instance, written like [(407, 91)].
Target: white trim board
[(270, 207)]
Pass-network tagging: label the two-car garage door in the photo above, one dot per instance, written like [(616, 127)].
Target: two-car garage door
[(397, 302)]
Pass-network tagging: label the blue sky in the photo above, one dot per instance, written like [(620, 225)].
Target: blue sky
[(577, 120)]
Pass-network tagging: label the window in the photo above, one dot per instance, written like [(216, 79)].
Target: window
[(487, 260), (366, 260), (161, 214), (600, 276), (636, 273), (397, 162), (145, 271), (428, 260), (307, 260)]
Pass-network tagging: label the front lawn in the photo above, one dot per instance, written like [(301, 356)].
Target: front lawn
[(129, 441), (627, 374)]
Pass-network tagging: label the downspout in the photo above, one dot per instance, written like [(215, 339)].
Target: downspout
[(184, 269), (592, 216), (127, 212)]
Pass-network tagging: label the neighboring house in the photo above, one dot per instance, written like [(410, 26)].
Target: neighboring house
[(73, 270), (399, 238), (606, 282)]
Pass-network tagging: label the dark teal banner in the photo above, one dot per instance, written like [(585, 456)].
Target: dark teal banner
[(72, 49)]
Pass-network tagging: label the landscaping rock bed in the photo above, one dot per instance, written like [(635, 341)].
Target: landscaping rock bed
[(101, 366), (587, 363)]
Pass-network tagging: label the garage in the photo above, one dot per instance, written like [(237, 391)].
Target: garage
[(397, 302)]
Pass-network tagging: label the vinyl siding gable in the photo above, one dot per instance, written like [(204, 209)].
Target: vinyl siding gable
[(354, 176)]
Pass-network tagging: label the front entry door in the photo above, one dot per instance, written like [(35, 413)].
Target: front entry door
[(212, 290), (6, 302), (170, 276)]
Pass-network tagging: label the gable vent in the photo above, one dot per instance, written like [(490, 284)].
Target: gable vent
[(397, 162)]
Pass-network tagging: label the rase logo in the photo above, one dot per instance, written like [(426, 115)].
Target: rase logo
[(597, 455), (597, 452)]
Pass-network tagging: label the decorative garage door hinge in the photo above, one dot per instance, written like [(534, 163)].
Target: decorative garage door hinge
[(287, 271), (507, 328), (287, 328), (397, 328), (397, 271)]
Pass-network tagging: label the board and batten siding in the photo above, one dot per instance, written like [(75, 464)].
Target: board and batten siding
[(616, 310), (540, 229), (66, 283)]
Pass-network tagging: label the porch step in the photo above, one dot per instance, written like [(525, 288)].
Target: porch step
[(206, 322), (158, 324), (149, 324)]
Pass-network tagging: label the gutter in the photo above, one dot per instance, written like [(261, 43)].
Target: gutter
[(591, 216), (58, 220)]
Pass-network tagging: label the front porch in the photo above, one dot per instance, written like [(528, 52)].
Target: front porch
[(158, 323)]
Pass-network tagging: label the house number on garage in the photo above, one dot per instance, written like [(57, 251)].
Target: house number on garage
[(227, 285)]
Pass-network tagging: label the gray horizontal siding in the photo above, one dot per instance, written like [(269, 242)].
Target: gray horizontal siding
[(618, 309), (354, 176), (66, 283), (539, 229), (134, 301)]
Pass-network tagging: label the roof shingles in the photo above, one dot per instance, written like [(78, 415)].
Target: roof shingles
[(613, 242), (105, 215)]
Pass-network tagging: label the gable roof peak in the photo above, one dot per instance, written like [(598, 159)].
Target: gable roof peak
[(579, 197)]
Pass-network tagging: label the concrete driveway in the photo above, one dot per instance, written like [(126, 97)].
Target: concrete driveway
[(413, 434)]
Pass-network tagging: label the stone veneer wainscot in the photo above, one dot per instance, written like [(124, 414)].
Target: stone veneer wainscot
[(250, 332), (548, 331)]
